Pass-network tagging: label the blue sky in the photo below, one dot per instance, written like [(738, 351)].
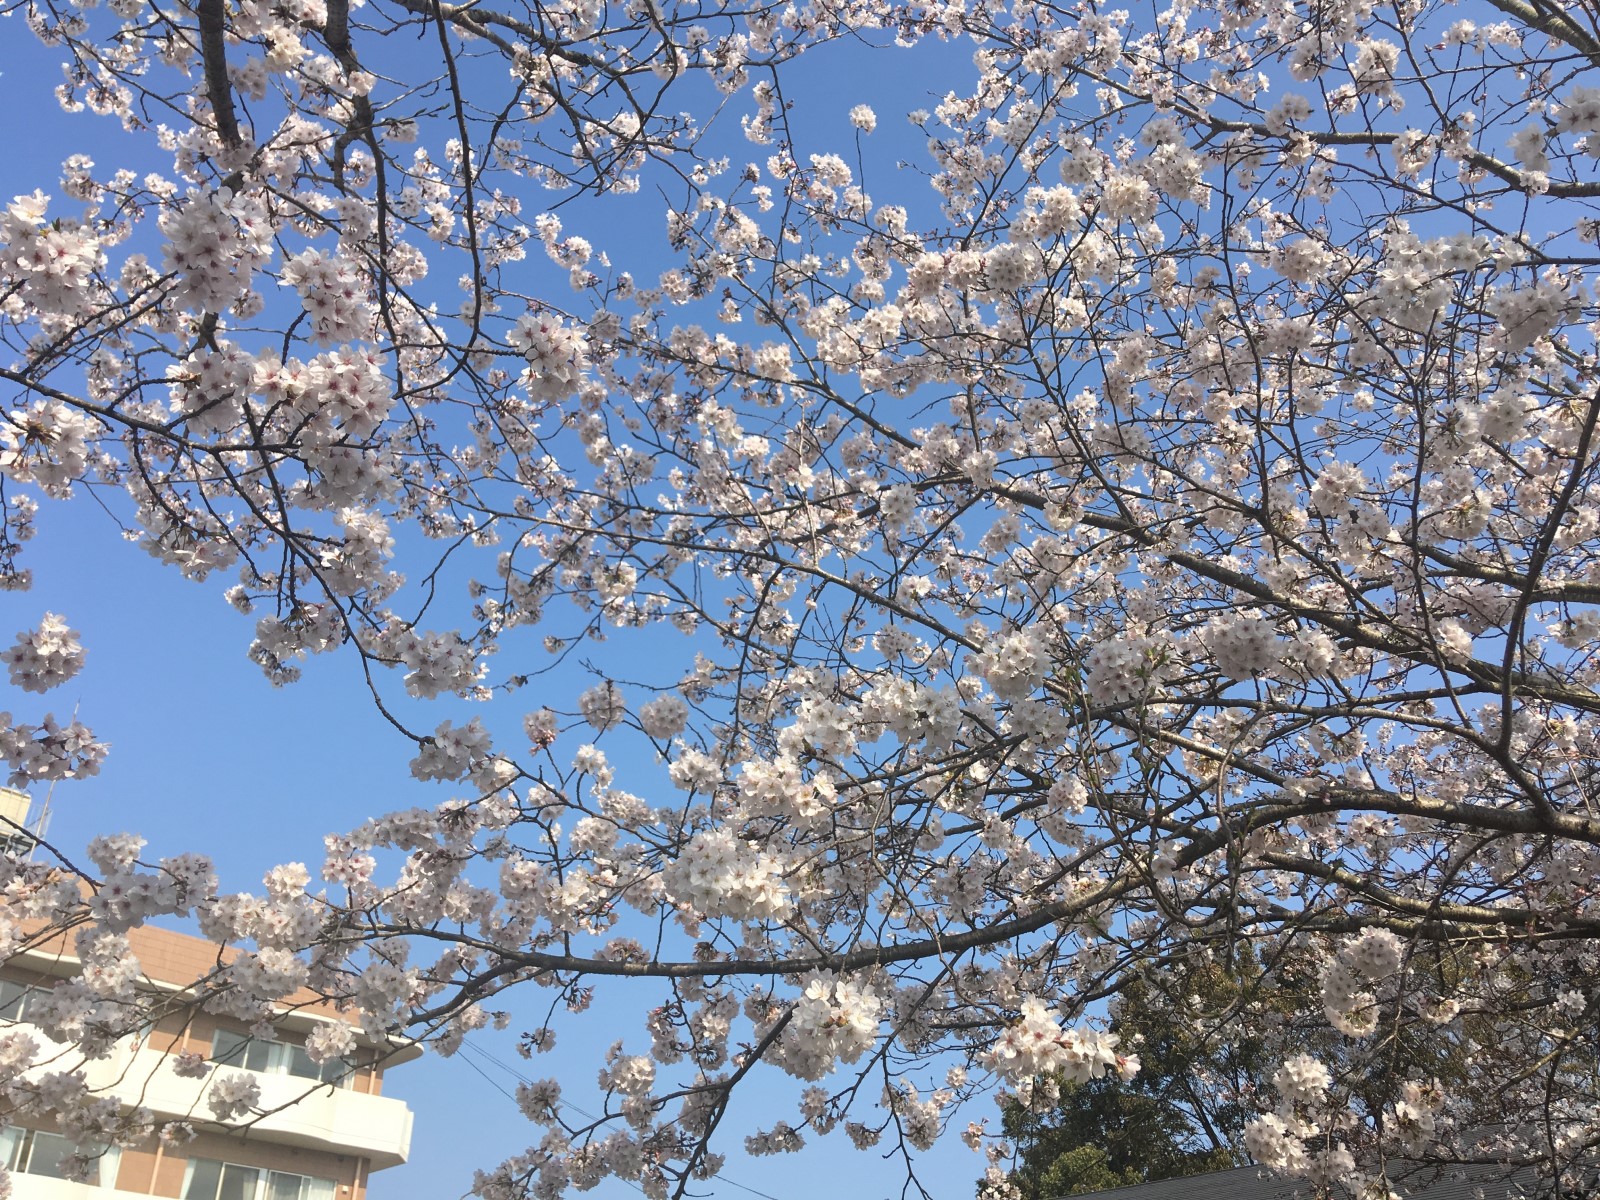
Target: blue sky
[(207, 756)]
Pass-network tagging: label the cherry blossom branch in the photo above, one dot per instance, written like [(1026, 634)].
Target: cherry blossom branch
[(214, 53)]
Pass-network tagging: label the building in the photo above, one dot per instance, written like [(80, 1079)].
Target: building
[(326, 1130), (1412, 1181), (15, 835)]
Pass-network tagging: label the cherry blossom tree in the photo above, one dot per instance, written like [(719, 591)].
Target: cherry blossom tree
[(1155, 523)]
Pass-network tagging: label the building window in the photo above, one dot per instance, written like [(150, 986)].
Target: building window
[(16, 999), (34, 1152), (207, 1179), (277, 1058)]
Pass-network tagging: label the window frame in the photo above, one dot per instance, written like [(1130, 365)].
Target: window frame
[(14, 992), (261, 1189), (281, 1059), (19, 1148)]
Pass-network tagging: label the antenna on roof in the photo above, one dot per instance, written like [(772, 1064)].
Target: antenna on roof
[(41, 824), (15, 836)]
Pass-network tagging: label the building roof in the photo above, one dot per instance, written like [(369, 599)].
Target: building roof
[(1254, 1183), (1241, 1183)]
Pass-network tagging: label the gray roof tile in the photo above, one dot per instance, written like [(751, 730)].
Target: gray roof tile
[(1253, 1183)]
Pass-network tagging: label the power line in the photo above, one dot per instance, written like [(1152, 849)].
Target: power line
[(496, 1086), (511, 1070), (512, 1098)]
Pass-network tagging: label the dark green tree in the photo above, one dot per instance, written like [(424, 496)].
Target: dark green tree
[(1204, 1032), (1210, 1029), (1106, 1134)]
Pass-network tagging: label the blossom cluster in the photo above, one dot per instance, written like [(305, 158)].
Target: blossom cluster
[(45, 657), (1036, 1044), (719, 875), (833, 1021)]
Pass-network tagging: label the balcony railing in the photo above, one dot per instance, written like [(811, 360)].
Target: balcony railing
[(298, 1112)]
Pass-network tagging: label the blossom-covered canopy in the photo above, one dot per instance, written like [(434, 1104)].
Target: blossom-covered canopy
[(1154, 524)]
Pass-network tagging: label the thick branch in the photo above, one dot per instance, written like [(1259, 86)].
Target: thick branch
[(214, 53)]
